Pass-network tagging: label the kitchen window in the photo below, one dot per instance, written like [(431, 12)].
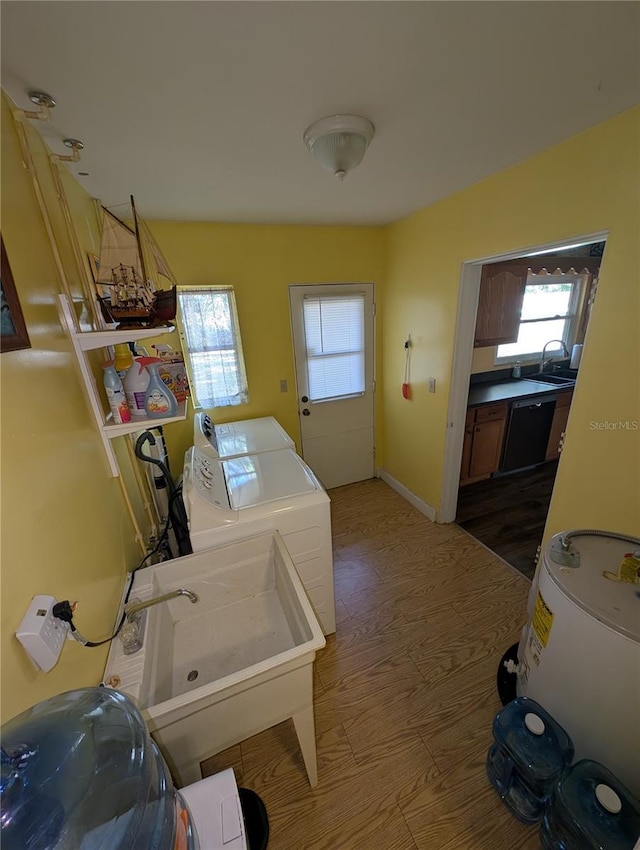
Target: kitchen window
[(550, 310), (212, 346)]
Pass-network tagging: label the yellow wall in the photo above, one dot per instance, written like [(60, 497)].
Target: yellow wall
[(585, 185), (260, 261), (64, 529)]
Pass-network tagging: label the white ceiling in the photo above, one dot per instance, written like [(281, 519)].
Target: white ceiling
[(198, 108)]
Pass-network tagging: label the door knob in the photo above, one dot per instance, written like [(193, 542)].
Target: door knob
[(306, 412), (304, 399)]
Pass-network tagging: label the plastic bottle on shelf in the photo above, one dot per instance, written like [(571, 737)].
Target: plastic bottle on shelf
[(115, 394), (135, 384), (124, 359), (516, 372), (159, 401)]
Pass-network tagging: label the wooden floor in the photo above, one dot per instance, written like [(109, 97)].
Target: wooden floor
[(508, 514), (404, 693)]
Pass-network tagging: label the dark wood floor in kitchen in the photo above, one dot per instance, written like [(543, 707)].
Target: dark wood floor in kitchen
[(404, 693), (508, 514)]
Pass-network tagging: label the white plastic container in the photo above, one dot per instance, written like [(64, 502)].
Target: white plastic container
[(115, 394), (576, 356), (135, 386)]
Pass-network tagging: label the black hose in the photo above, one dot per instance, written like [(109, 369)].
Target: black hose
[(177, 511)]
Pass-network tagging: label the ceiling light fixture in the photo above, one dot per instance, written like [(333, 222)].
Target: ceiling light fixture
[(339, 142)]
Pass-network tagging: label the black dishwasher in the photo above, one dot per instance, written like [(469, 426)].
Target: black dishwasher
[(528, 432)]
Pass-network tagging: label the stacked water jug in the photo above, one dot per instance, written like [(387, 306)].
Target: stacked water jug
[(582, 807)]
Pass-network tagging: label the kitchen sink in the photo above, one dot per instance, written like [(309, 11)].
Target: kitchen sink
[(555, 380), (565, 373)]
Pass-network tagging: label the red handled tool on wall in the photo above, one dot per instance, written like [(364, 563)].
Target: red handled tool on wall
[(406, 386)]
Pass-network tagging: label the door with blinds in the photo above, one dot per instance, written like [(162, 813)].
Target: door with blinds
[(333, 338)]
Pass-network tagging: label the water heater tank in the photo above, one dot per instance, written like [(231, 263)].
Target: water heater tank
[(579, 655)]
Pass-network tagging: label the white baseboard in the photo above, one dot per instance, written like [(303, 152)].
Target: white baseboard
[(423, 507)]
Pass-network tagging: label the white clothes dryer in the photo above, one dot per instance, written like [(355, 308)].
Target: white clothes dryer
[(244, 437), (227, 500)]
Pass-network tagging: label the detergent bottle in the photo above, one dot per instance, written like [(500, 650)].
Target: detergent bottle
[(124, 359), (135, 385), (159, 401), (115, 394)]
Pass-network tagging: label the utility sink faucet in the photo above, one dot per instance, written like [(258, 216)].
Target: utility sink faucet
[(132, 607), (543, 363)]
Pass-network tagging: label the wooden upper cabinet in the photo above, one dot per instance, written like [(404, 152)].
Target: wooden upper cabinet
[(500, 303)]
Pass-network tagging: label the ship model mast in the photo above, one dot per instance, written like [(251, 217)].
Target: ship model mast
[(128, 295)]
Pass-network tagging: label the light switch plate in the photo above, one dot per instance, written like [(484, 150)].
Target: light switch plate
[(42, 634), (432, 385)]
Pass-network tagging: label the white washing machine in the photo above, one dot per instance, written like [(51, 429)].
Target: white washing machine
[(579, 654), (245, 437), (227, 500)]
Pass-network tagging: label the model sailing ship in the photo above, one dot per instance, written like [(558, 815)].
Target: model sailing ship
[(134, 299)]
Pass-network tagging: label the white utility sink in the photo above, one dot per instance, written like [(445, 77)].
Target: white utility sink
[(236, 662)]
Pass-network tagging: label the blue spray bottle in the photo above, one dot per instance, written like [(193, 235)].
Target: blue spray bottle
[(159, 401)]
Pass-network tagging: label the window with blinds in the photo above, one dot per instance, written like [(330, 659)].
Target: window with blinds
[(211, 338), (334, 338)]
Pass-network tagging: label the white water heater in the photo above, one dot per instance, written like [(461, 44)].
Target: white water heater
[(579, 654)]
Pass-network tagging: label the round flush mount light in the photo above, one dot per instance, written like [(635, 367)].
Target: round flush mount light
[(339, 142)]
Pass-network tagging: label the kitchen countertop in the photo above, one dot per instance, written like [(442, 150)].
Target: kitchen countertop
[(488, 392)]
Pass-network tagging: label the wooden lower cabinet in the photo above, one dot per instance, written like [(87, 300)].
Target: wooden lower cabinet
[(559, 424), (483, 439)]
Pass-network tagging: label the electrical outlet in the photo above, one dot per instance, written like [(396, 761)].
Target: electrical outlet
[(42, 634), (283, 386), (432, 385)]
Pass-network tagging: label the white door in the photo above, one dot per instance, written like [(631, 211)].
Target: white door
[(333, 339)]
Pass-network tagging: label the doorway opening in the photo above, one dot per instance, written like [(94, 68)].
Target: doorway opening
[(522, 321)]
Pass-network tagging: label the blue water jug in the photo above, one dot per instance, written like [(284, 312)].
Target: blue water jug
[(590, 809), (530, 753)]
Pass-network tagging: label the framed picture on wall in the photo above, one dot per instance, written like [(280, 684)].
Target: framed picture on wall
[(13, 330)]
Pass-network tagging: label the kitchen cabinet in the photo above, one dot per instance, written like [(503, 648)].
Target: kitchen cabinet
[(500, 303), (483, 440), (559, 424), (84, 342)]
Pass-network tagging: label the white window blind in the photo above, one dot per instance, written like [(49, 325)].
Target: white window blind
[(211, 337), (334, 337)]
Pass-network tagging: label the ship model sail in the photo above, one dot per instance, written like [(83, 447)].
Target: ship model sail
[(129, 261)]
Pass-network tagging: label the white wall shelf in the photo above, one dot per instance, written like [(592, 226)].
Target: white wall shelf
[(141, 423), (91, 340)]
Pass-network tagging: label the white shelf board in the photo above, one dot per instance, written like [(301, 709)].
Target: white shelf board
[(88, 340), (112, 430)]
